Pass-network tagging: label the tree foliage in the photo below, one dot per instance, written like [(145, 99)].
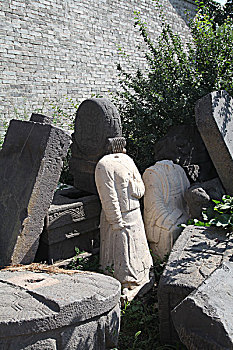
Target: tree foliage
[(177, 75)]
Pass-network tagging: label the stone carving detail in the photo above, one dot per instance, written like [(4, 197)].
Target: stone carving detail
[(214, 121), (72, 221), (96, 122), (164, 205), (123, 244)]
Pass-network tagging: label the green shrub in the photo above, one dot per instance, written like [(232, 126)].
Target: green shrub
[(221, 215), (177, 76)]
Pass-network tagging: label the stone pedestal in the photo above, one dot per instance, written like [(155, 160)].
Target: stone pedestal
[(72, 221), (195, 255), (58, 311)]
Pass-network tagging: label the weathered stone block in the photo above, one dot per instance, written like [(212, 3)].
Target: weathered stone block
[(30, 166), (214, 120), (195, 255), (97, 121), (58, 311), (72, 221), (204, 319)]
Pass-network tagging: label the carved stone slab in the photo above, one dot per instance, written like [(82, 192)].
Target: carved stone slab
[(58, 311), (195, 255), (214, 118), (30, 166), (97, 120), (204, 319), (72, 221)]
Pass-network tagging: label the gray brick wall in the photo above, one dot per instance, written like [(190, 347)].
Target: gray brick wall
[(51, 50)]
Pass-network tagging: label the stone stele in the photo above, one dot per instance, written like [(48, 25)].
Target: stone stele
[(58, 311), (30, 167), (124, 250), (164, 205), (214, 120), (204, 319), (97, 121), (196, 254)]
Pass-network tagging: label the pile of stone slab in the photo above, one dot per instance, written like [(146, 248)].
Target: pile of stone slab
[(58, 311), (195, 290), (30, 166), (73, 218)]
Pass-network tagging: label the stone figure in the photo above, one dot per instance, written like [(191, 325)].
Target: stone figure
[(164, 205), (123, 244), (97, 123)]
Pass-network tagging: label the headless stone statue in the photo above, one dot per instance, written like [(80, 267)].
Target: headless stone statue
[(123, 244), (164, 205)]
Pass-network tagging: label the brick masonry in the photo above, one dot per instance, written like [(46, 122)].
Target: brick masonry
[(54, 49)]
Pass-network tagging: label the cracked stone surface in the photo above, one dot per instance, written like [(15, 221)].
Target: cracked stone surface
[(195, 255), (37, 309)]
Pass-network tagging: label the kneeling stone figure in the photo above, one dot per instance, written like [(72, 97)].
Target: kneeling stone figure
[(164, 205), (123, 244)]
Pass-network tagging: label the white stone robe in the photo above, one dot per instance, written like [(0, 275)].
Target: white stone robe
[(164, 205), (123, 244)]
